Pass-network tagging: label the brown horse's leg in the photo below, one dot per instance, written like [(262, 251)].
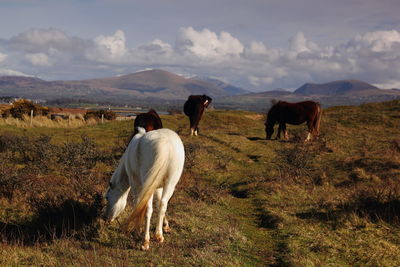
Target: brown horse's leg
[(310, 124), (285, 132), (282, 127), (192, 125), (317, 121), (278, 136)]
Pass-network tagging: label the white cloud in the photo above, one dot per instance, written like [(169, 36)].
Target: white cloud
[(39, 59), (110, 49), (206, 44), (156, 51), (372, 56), (9, 72), (257, 81), (44, 40), (299, 44), (378, 41), (257, 48), (2, 57), (389, 84)]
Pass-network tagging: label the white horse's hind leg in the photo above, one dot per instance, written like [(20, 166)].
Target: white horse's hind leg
[(149, 211), (166, 227), (167, 194)]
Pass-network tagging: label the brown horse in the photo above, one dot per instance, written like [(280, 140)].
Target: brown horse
[(194, 108), (294, 113), (148, 121)]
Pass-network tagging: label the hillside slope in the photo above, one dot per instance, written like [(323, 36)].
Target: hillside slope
[(242, 200), (336, 88), (157, 84), (345, 92)]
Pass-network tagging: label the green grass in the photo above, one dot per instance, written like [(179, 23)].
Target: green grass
[(242, 200)]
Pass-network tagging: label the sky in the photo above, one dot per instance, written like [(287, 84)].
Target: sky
[(258, 45)]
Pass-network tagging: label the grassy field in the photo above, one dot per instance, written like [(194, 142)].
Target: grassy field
[(241, 201)]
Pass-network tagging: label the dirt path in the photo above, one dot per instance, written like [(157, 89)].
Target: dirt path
[(269, 241)]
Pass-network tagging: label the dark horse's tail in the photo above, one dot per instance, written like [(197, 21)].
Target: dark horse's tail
[(317, 120)]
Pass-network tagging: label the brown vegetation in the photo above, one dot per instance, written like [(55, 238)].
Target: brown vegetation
[(242, 200), (101, 113), (24, 107)]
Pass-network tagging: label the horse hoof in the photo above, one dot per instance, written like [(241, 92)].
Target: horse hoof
[(167, 229), (159, 238), (146, 245)]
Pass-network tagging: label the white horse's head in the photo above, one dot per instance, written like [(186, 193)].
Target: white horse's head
[(116, 194), (119, 186)]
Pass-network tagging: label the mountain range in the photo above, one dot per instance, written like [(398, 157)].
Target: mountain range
[(165, 87), (149, 84), (343, 92)]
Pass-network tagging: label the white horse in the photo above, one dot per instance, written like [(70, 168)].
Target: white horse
[(152, 163)]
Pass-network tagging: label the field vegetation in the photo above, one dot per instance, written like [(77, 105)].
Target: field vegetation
[(241, 201), (25, 113)]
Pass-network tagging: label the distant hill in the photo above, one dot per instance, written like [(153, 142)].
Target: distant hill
[(337, 88), (19, 81), (165, 88), (272, 93), (228, 88), (344, 92), (156, 83), (149, 84)]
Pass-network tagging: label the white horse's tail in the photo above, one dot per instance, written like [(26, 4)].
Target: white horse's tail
[(154, 178)]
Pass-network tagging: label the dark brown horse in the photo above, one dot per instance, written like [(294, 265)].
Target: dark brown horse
[(149, 121), (194, 108), (294, 113)]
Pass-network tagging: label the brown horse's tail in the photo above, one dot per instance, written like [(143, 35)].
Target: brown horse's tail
[(317, 121)]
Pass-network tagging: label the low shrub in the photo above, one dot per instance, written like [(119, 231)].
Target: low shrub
[(380, 202), (98, 114), (24, 107), (296, 162), (60, 185)]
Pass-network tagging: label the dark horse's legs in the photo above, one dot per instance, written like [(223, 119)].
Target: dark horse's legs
[(193, 125), (282, 127), (310, 124), (312, 130), (313, 124)]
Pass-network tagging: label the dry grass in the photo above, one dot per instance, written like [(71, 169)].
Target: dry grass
[(73, 121), (242, 200)]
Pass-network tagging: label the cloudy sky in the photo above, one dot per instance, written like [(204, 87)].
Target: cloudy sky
[(256, 44)]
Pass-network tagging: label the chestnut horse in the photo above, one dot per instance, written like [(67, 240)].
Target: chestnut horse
[(149, 121), (194, 108), (294, 113)]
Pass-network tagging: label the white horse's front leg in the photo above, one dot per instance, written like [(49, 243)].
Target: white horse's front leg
[(149, 212)]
